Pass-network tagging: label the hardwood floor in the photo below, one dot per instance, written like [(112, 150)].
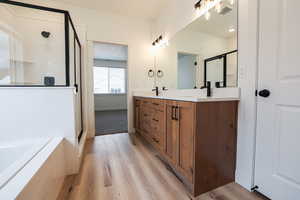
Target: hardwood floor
[(114, 169)]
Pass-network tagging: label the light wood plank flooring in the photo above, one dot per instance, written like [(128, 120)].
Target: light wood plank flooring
[(114, 169)]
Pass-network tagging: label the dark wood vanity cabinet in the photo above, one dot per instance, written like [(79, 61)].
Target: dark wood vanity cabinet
[(197, 140)]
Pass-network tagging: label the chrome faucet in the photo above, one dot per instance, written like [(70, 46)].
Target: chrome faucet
[(156, 91), (208, 88)]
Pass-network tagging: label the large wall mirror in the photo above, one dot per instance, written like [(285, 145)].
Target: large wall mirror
[(205, 50)]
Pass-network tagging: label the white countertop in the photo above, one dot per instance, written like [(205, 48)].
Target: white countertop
[(190, 98), (224, 94)]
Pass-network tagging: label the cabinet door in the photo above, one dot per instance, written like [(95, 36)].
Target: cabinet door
[(171, 133), (186, 116)]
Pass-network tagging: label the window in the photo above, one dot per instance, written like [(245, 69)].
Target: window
[(109, 80)]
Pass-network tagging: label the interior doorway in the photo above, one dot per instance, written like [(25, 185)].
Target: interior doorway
[(110, 88)]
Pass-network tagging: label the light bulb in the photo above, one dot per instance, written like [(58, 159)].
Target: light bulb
[(207, 15), (218, 7), (231, 2)]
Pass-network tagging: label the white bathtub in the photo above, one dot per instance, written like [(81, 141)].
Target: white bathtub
[(13, 157), (20, 162)]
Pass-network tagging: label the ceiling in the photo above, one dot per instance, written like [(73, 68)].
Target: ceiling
[(217, 25), (146, 9)]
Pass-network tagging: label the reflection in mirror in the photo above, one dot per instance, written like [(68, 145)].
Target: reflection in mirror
[(214, 72), (187, 67), (206, 50)]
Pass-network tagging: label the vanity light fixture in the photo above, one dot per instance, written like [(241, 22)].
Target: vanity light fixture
[(231, 30), (203, 3), (207, 4), (160, 41), (157, 41), (198, 5)]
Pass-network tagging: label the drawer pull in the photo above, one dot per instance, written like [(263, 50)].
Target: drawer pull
[(192, 170), (155, 140), (155, 120)]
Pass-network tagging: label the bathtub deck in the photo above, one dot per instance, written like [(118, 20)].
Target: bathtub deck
[(113, 168)]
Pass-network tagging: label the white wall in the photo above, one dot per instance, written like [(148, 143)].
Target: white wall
[(177, 16), (106, 51), (110, 102), (181, 13)]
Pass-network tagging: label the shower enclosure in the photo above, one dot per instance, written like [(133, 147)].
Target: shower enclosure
[(39, 47)]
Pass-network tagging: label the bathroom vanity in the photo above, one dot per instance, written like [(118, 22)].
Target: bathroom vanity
[(191, 119), (195, 137)]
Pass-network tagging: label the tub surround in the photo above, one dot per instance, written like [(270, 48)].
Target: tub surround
[(41, 177), (15, 156), (195, 135), (42, 113)]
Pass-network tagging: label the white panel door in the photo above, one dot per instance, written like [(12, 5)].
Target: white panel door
[(277, 170)]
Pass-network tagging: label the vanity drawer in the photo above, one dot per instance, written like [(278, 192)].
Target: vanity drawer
[(157, 116), (146, 102), (158, 104)]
